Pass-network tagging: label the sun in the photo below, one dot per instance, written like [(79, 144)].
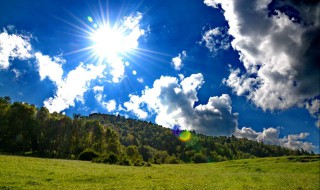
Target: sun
[(109, 42)]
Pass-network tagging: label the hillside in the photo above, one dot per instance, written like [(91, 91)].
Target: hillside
[(146, 135), (27, 130), (266, 173)]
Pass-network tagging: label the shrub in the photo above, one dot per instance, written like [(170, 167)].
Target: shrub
[(199, 158), (172, 160), (125, 161), (88, 154), (138, 162), (147, 164), (111, 159)]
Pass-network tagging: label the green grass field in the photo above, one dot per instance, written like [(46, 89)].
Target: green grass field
[(267, 173)]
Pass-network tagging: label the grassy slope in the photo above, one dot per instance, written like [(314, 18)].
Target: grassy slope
[(268, 173)]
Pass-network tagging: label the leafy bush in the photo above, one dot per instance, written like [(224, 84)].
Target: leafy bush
[(88, 154), (111, 159), (125, 161), (199, 158), (107, 159), (147, 164), (172, 160)]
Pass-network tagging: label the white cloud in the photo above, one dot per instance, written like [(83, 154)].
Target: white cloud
[(110, 105), (13, 46), (100, 97), (73, 87), (131, 31), (271, 136), (177, 61), (98, 88), (314, 106), (50, 67), (116, 69), (211, 3), (133, 105), (216, 39), (69, 89), (134, 72), (279, 51), (76, 82), (17, 73), (314, 109), (173, 102)]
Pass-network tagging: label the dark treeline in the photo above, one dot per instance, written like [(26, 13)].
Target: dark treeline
[(27, 130)]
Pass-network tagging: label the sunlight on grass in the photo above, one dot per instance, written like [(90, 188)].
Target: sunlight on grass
[(268, 173)]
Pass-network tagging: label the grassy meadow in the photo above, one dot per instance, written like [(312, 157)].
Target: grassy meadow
[(264, 173)]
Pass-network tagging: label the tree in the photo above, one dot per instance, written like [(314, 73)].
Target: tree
[(132, 153), (21, 125), (112, 142), (42, 118), (4, 109)]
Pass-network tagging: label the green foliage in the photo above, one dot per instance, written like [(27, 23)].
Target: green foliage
[(199, 158), (26, 129), (88, 155), (172, 160)]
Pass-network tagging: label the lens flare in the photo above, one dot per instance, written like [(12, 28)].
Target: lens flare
[(90, 19), (184, 136)]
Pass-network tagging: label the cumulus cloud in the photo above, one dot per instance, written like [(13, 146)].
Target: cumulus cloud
[(177, 61), (271, 136), (13, 46), (73, 86), (76, 82), (173, 102), (110, 105), (280, 51), (133, 105), (216, 39), (69, 89), (50, 67)]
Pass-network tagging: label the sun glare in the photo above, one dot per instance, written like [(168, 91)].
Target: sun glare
[(109, 42)]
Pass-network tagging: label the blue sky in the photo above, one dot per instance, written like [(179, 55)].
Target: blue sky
[(243, 68)]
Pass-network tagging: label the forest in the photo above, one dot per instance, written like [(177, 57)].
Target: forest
[(114, 139)]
